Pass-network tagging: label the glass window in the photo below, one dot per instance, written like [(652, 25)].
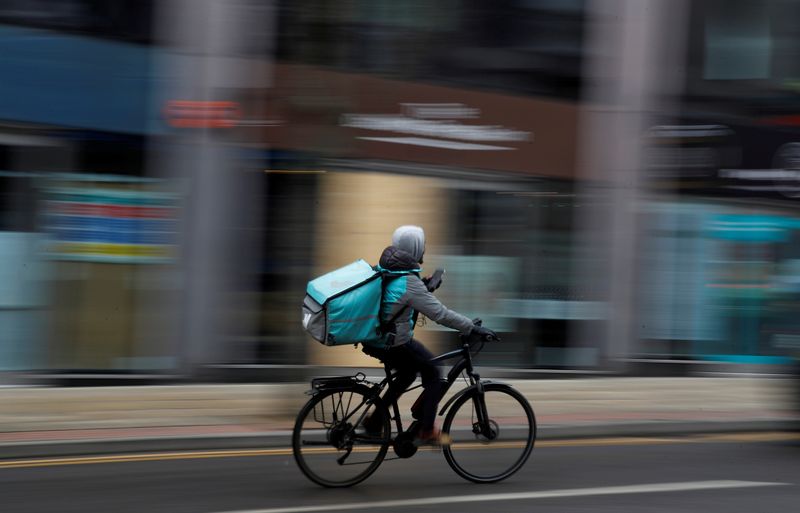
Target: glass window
[(738, 40), (128, 20)]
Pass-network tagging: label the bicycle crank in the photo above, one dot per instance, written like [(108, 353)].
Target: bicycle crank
[(404, 445)]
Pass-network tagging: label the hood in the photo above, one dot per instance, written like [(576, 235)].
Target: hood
[(395, 259), (410, 239)]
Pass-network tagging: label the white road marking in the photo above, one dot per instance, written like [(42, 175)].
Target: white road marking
[(545, 494)]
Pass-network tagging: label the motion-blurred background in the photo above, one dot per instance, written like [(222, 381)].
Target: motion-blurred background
[(612, 185)]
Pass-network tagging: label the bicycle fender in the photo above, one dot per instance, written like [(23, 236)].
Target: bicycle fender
[(484, 383)]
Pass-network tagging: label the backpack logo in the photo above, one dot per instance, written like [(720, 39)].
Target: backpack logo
[(306, 318)]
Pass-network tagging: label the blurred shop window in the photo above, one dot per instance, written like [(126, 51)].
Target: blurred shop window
[(738, 40), (289, 222), (527, 233), (22, 275), (127, 20), (411, 14), (17, 203), (370, 35), (526, 46), (786, 36), (17, 193), (24, 155)]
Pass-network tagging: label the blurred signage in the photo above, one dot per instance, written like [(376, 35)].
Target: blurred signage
[(752, 228), (689, 151), (358, 116), (437, 125), (742, 160), (785, 182), (110, 225), (202, 114)]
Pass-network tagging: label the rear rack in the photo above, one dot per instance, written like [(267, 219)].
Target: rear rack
[(334, 382)]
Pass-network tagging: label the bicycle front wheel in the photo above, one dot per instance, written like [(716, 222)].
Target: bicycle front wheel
[(508, 429), (331, 446)]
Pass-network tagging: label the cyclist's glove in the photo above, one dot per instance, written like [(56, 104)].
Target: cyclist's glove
[(485, 333)]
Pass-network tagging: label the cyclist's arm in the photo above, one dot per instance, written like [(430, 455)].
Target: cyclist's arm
[(423, 301)]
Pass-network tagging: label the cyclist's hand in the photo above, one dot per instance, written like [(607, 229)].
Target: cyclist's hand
[(485, 333), (434, 281), (477, 321)]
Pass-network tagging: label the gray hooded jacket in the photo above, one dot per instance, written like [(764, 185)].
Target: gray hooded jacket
[(408, 291)]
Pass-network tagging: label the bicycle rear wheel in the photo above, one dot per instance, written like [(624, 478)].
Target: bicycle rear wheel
[(329, 446), (510, 431)]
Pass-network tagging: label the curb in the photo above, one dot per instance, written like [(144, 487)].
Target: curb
[(41, 449)]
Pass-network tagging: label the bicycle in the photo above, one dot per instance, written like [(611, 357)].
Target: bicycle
[(329, 438)]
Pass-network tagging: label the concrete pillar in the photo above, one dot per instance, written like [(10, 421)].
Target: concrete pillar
[(633, 56), (210, 55)]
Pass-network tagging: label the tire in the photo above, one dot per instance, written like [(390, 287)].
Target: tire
[(514, 434), (323, 434)]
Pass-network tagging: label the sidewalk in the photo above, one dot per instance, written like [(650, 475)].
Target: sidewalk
[(38, 422)]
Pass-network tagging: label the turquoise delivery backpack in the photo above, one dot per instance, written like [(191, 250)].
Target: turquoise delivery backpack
[(343, 306)]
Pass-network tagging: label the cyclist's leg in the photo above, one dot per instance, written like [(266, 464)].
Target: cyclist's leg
[(413, 358), (404, 374)]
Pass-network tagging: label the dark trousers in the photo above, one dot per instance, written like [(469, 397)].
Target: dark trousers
[(408, 360)]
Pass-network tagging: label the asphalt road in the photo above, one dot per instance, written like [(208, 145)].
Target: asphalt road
[(735, 473)]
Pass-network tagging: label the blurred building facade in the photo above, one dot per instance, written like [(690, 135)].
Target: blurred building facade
[(167, 191)]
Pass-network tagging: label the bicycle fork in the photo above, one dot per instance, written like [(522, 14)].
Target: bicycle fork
[(483, 426)]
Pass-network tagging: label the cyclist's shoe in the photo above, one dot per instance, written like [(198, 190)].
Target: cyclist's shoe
[(432, 437)]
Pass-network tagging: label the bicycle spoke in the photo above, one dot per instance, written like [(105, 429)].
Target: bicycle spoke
[(337, 408), (325, 439)]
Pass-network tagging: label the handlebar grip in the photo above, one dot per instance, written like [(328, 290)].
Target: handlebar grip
[(475, 337)]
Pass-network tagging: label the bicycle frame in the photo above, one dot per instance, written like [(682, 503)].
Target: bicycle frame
[(474, 382), (465, 364), (466, 410)]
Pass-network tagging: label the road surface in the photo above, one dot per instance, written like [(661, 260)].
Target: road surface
[(730, 473)]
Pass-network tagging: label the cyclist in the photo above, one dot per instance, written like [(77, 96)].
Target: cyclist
[(404, 298)]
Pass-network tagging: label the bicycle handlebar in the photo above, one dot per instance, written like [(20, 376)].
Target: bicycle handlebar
[(473, 338)]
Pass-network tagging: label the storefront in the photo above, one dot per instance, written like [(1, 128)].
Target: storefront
[(719, 273), (488, 175)]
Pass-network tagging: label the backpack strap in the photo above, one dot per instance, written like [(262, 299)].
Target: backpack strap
[(387, 327)]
